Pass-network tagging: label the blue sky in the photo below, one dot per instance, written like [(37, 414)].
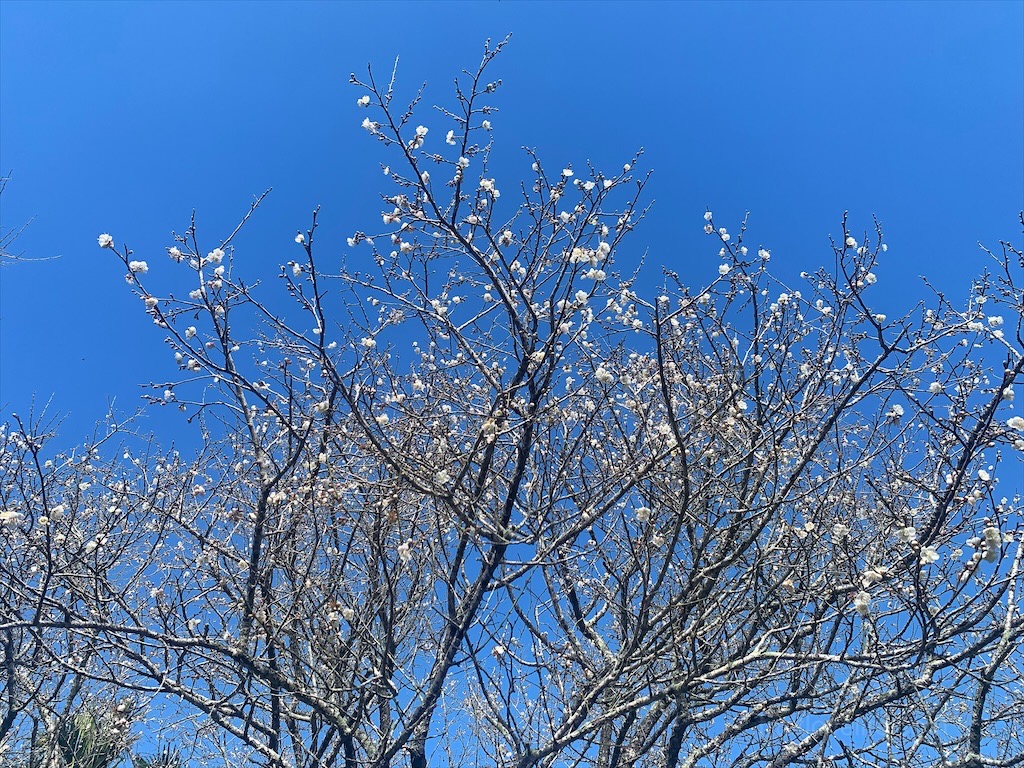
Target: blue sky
[(124, 117)]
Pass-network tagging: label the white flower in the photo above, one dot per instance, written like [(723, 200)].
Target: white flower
[(486, 125), (872, 576), (216, 256), (895, 413), (300, 238), (724, 234), (369, 125), (105, 241), (151, 302), (8, 516), (567, 172), (658, 540), (929, 555), (935, 387), (870, 278), (707, 216), (382, 420), (879, 318), (450, 138), (1016, 422), (138, 267), (995, 322), (405, 551), (506, 237), (840, 531), (907, 534), (296, 269), (993, 539), (441, 477), (363, 101), (643, 514), (347, 613), (862, 603), (368, 342), (850, 242), (1008, 393), (723, 269), (175, 253), (764, 254), (581, 296), (498, 650), (421, 131), (322, 407), (603, 375), (984, 476)]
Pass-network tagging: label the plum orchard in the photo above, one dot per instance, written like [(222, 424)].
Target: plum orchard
[(483, 502)]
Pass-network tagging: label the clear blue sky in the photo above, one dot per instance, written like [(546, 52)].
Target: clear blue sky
[(123, 117)]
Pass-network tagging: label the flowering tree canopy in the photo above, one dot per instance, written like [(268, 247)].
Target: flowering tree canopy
[(474, 498)]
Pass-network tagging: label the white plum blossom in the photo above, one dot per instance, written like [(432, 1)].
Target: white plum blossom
[(873, 576), (368, 343), (138, 267), (105, 241), (1016, 422), (862, 603), (405, 551), (643, 514), (907, 534), (567, 172), (486, 125), (216, 256), (322, 407), (895, 413), (929, 555), (369, 125), (840, 531), (993, 540), (984, 476), (300, 238), (850, 242), (723, 269), (450, 138), (707, 216), (151, 302), (603, 375), (175, 253), (935, 387), (8, 516), (363, 101)]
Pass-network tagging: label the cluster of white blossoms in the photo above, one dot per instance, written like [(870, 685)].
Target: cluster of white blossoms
[(405, 550), (862, 603), (487, 185)]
